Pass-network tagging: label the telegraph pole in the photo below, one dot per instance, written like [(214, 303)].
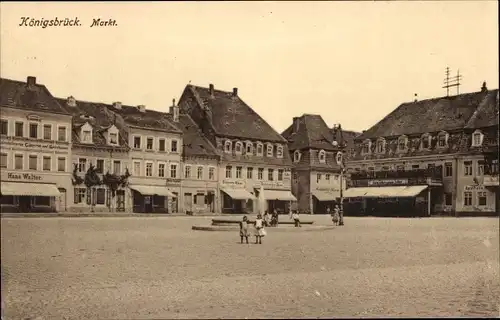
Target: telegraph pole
[(452, 82)]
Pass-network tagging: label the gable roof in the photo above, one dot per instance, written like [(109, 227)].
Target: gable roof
[(311, 131), (232, 117), (99, 117), (18, 94), (147, 119), (431, 115), (194, 142)]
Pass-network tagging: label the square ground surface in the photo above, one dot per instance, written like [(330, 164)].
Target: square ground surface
[(151, 268)]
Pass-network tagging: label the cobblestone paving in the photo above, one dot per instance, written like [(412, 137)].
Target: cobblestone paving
[(151, 268)]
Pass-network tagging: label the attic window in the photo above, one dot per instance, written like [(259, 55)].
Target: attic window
[(260, 149), (249, 148), (296, 156), (279, 151), (425, 141), (238, 148), (339, 158), (113, 138), (270, 150), (402, 143), (366, 146), (477, 138), (442, 139), (381, 145), (322, 156), (227, 146), (86, 136)]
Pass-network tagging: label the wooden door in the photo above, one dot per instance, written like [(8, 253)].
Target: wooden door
[(61, 201), (188, 202)]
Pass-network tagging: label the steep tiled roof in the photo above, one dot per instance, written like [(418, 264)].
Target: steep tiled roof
[(147, 119), (195, 143), (432, 115), (487, 113), (99, 117), (311, 131), (18, 94), (231, 116)]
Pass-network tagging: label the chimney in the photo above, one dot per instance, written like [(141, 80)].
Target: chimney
[(174, 110), (31, 81), (235, 92), (484, 88), (71, 101), (141, 108), (212, 90), (117, 105), (295, 124), (416, 97)]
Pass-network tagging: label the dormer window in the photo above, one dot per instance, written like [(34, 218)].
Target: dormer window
[(249, 148), (442, 139), (296, 156), (260, 149), (113, 138), (338, 158), (477, 138), (269, 150), (322, 156), (238, 147), (366, 146), (279, 151), (86, 133), (425, 141), (402, 143), (381, 145), (227, 146)]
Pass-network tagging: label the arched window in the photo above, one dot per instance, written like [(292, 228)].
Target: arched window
[(322, 156), (269, 150), (477, 138), (249, 148), (367, 144), (425, 141), (296, 156), (227, 146), (381, 145), (442, 139), (338, 157), (238, 147), (279, 151), (402, 143), (260, 149)]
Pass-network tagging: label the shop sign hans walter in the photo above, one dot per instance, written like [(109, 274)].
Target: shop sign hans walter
[(23, 176), (34, 145)]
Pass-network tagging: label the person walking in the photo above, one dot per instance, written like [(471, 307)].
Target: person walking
[(296, 219), (336, 215), (267, 219)]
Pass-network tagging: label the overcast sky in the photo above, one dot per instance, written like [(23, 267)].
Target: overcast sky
[(351, 62)]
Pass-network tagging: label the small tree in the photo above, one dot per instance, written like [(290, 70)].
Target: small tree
[(91, 181), (76, 179), (114, 181)]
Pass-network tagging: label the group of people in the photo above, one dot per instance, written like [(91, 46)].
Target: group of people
[(258, 226)]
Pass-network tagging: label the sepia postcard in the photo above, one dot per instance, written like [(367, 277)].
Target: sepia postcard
[(249, 159)]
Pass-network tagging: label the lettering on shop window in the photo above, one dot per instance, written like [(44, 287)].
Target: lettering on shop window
[(31, 145), (24, 176), (471, 188)]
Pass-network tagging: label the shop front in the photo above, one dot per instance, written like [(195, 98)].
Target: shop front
[(235, 198), (277, 194), (199, 199), (324, 198), (155, 196), (24, 192)]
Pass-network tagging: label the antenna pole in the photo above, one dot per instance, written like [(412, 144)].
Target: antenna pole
[(452, 82)]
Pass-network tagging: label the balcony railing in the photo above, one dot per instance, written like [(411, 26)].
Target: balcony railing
[(435, 173)]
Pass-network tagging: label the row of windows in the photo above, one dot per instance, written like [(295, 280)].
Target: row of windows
[(86, 136), (425, 142), (297, 155), (188, 172), (481, 199), (160, 145), (250, 147), (249, 173), (34, 130), (82, 196), (35, 201), (18, 162), (83, 165), (319, 177)]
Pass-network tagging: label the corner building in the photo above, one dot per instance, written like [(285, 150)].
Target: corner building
[(429, 157), (35, 133), (316, 180), (252, 153)]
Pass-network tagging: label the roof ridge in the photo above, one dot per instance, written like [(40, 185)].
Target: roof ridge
[(484, 103), (201, 134)]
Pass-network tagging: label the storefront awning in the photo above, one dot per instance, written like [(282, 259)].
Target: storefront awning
[(153, 190), (384, 192), (238, 194), (325, 195), (283, 195), (29, 189)]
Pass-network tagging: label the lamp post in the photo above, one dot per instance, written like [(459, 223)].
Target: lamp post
[(338, 141)]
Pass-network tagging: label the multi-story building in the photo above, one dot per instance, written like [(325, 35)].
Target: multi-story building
[(316, 179), (155, 145), (98, 140), (199, 168), (35, 133), (428, 157), (253, 154)]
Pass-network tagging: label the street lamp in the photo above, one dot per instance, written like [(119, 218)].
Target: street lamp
[(338, 141)]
